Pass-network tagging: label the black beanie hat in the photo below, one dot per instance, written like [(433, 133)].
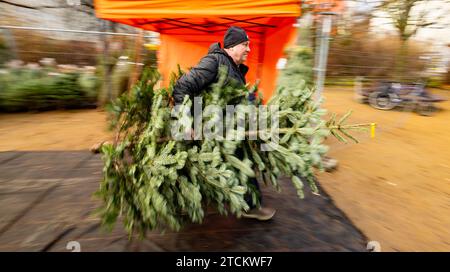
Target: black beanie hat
[(234, 36)]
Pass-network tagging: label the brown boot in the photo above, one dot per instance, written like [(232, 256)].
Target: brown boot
[(261, 214), (329, 164)]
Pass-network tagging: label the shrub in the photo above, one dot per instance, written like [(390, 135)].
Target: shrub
[(27, 90)]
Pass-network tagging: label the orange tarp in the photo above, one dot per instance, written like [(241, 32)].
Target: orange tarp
[(141, 9), (187, 28)]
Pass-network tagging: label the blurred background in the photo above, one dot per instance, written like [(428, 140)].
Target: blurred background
[(388, 61)]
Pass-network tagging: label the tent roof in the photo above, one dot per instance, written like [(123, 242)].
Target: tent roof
[(198, 17), (194, 17), (151, 9)]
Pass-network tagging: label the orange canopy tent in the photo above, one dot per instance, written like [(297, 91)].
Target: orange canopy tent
[(187, 28)]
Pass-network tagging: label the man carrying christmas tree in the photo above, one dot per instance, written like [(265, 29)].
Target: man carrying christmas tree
[(236, 47)]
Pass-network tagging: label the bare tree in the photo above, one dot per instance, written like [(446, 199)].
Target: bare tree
[(408, 17)]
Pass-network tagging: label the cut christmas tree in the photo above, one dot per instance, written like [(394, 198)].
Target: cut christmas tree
[(154, 180)]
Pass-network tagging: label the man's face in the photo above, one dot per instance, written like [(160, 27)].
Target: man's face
[(241, 51)]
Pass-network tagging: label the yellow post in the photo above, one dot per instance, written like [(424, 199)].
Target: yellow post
[(372, 130)]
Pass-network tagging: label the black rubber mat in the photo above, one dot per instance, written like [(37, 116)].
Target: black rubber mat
[(46, 202)]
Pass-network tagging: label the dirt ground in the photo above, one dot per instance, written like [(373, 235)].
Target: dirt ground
[(54, 130), (395, 187)]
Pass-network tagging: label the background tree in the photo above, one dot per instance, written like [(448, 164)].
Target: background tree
[(408, 17)]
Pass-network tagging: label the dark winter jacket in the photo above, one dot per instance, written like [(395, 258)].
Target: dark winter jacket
[(200, 77)]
